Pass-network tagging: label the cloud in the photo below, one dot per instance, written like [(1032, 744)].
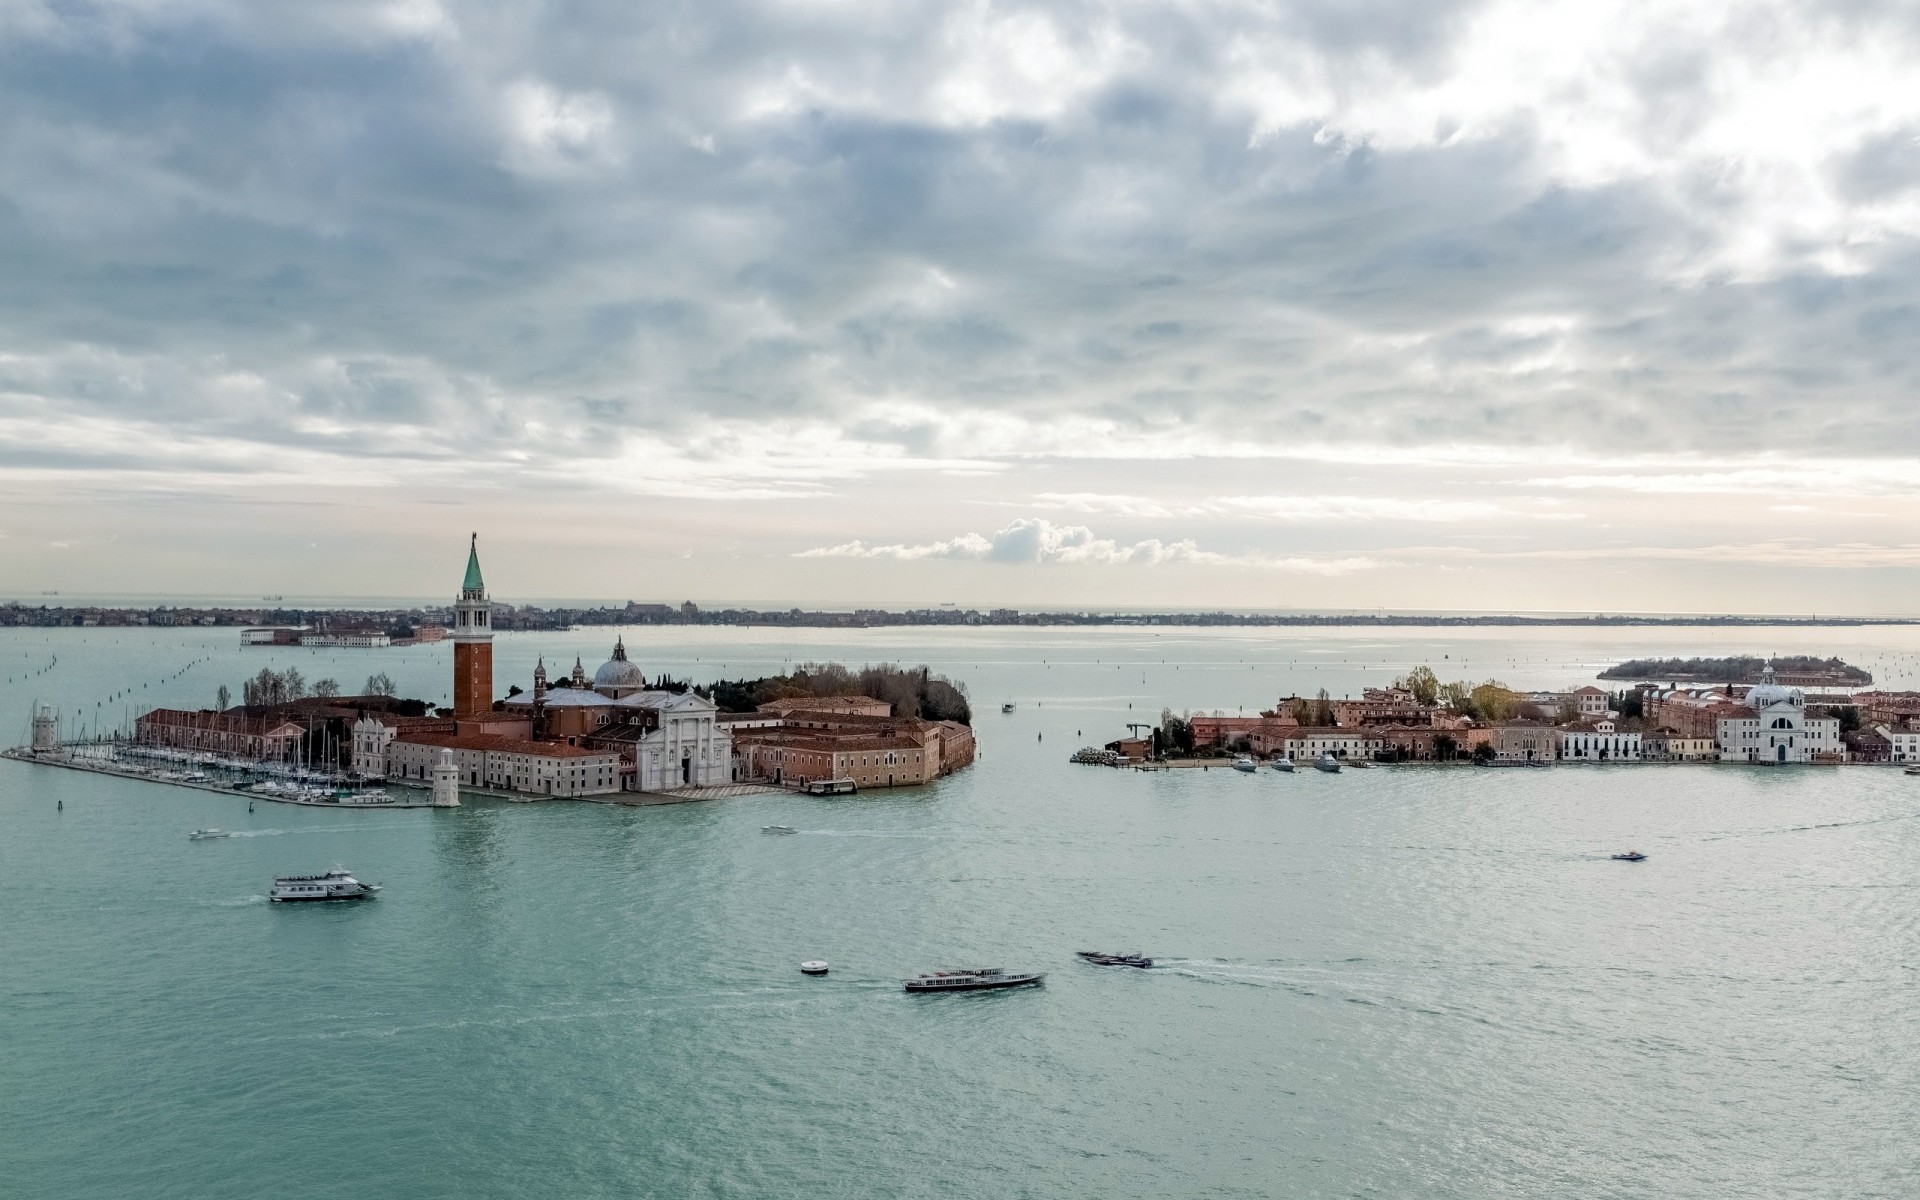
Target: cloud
[(1035, 540)]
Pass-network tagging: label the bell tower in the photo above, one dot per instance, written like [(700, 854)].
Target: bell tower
[(472, 642)]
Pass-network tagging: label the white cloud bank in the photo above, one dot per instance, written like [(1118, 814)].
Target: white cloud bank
[(1036, 540)]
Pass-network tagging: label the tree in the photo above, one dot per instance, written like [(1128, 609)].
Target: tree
[(379, 685), (1444, 747), (295, 684), (326, 689), (1176, 733), (223, 698), (1459, 698), (1424, 685), (1495, 701), (1483, 752), (1322, 709)]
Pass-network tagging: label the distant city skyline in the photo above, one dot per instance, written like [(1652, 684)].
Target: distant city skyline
[(1458, 306)]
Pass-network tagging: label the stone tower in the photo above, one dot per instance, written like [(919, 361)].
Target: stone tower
[(46, 735), (446, 782), (472, 642)]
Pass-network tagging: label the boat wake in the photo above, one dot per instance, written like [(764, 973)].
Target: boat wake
[(1750, 833), (872, 833)]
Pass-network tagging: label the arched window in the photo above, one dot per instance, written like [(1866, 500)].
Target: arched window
[(1783, 723)]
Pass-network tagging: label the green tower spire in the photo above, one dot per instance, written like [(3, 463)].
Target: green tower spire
[(474, 583)]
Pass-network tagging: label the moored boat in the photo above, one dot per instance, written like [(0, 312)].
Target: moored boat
[(970, 980), (1243, 763), (336, 884), (1283, 765), (1115, 960), (1327, 763)]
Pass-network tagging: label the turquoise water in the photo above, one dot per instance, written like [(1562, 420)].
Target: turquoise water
[(1402, 982)]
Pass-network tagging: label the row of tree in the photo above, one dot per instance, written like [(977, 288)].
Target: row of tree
[(908, 691), (271, 687)]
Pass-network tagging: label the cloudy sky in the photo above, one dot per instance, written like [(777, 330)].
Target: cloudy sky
[(1334, 303)]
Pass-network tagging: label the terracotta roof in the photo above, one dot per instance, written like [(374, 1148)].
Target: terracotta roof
[(499, 745)]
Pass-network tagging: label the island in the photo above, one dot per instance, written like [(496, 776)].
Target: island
[(1799, 669)]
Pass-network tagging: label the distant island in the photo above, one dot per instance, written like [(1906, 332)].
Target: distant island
[(273, 624), (1794, 668)]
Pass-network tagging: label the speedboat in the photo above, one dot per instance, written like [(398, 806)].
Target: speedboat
[(1007, 707), (1284, 765), (814, 966), (778, 829), (1243, 763), (1630, 856), (1327, 763), (970, 980), (1115, 960), (334, 885), (201, 835)]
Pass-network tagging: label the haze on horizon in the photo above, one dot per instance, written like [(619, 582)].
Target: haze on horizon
[(1412, 305)]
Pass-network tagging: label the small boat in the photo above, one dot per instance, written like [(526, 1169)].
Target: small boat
[(1283, 765), (1115, 960), (1913, 770), (778, 829), (974, 979), (334, 885), (1630, 856), (1360, 764), (1243, 763), (814, 966), (1007, 707), (201, 835), (1327, 763)]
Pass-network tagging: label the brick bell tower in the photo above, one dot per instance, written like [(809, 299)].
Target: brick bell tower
[(472, 642)]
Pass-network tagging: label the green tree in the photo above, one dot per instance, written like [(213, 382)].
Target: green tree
[(1495, 701), (1459, 697), (1423, 683), (1322, 709), (1445, 749)]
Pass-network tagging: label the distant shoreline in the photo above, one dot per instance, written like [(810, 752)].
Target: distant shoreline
[(510, 618)]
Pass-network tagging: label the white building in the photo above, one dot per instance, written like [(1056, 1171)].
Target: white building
[(1312, 742), (1904, 743), (1598, 741), (1776, 728)]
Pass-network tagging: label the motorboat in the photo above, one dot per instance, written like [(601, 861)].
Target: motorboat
[(1115, 960), (1327, 763), (1243, 763), (201, 835), (336, 884), (971, 980), (1360, 764), (1007, 707), (1630, 856), (778, 829), (1283, 765), (1913, 770), (814, 966)]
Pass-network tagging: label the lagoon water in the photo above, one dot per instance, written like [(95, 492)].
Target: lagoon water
[(1404, 982)]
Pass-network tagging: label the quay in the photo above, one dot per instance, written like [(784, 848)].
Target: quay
[(118, 769)]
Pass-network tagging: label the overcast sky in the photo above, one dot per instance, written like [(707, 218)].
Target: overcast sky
[(1342, 303)]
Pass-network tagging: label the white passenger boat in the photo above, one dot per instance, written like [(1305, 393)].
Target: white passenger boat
[(1283, 765), (336, 884), (974, 979), (1243, 763), (201, 835)]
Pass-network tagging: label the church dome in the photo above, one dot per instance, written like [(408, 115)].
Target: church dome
[(617, 672), (1769, 692)]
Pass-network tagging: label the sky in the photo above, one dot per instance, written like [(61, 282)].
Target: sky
[(1404, 304)]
